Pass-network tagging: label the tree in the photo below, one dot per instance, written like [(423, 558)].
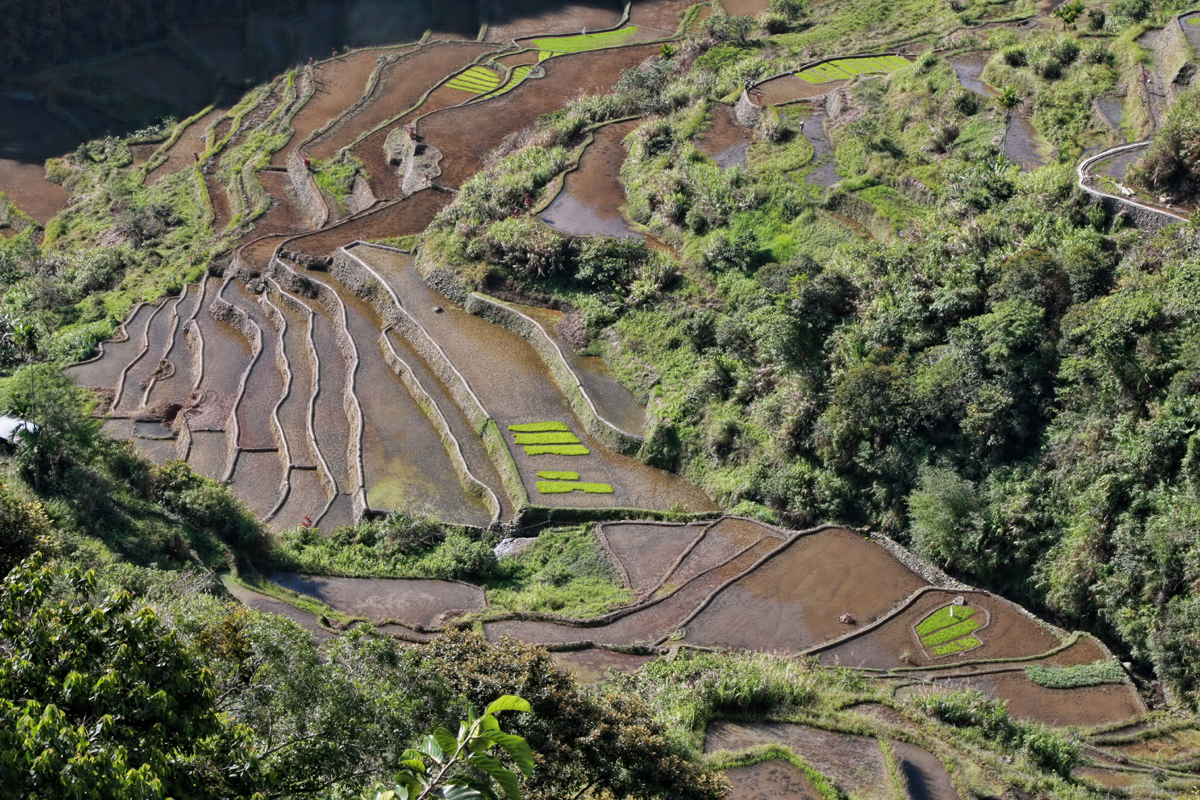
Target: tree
[(24, 527), (455, 758), (100, 699), (607, 744), (63, 434)]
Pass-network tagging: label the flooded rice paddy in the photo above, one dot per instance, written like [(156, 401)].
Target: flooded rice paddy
[(592, 195)]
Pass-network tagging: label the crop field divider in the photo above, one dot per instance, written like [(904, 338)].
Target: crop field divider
[(223, 311), (471, 485), (119, 389), (279, 321), (623, 573), (421, 100), (326, 475), (183, 440), (347, 264), (567, 380), (159, 156), (121, 337), (174, 325), (333, 304), (785, 538)]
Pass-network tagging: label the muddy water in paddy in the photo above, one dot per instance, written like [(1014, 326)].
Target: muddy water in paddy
[(751, 8), (590, 201), (103, 373), (855, 763), (771, 780), (338, 85), (415, 602), (160, 451), (794, 600), (293, 412), (339, 513), (514, 386), (208, 454), (401, 85), (1022, 143), (411, 215), (1113, 110), (256, 480), (139, 375), (789, 88), (1088, 706), (924, 775), (285, 214), (406, 466), (1117, 166), (718, 544), (256, 428), (330, 425), (825, 171), (465, 135), (664, 16), (725, 142), (1009, 634), (191, 141), (647, 551), (306, 498), (263, 602), (613, 401), (1171, 746), (592, 665), (226, 356), (176, 387), (516, 18)]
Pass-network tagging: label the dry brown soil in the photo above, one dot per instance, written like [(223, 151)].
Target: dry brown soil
[(772, 780), (28, 137)]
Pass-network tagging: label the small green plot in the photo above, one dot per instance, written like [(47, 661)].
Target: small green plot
[(558, 475), (950, 629), (551, 437), (554, 46), (536, 427), (556, 450), (519, 74), (475, 79), (563, 487), (957, 646), (844, 68)]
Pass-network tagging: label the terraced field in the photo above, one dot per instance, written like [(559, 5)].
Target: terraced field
[(326, 378)]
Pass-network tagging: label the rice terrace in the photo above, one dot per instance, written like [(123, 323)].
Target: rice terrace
[(811, 382)]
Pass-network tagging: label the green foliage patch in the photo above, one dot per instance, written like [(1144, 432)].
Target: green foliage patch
[(949, 630), (556, 450), (550, 437), (565, 487), (553, 46), (475, 79), (553, 475), (1077, 676), (537, 427)]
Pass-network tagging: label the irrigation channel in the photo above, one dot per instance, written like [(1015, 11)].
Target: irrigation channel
[(327, 378)]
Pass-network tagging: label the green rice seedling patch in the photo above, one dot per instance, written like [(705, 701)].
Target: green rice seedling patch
[(846, 68), (563, 487), (476, 79), (535, 427), (558, 475), (958, 631), (1193, 22), (552, 437), (1076, 677), (554, 46), (556, 450), (950, 629), (957, 646), (944, 617), (519, 74)]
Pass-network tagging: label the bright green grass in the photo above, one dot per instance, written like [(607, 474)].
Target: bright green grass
[(957, 646), (556, 450), (845, 68), (581, 43), (556, 475), (554, 437), (1192, 22), (562, 487), (518, 75), (475, 79), (951, 633), (942, 618), (536, 427)]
